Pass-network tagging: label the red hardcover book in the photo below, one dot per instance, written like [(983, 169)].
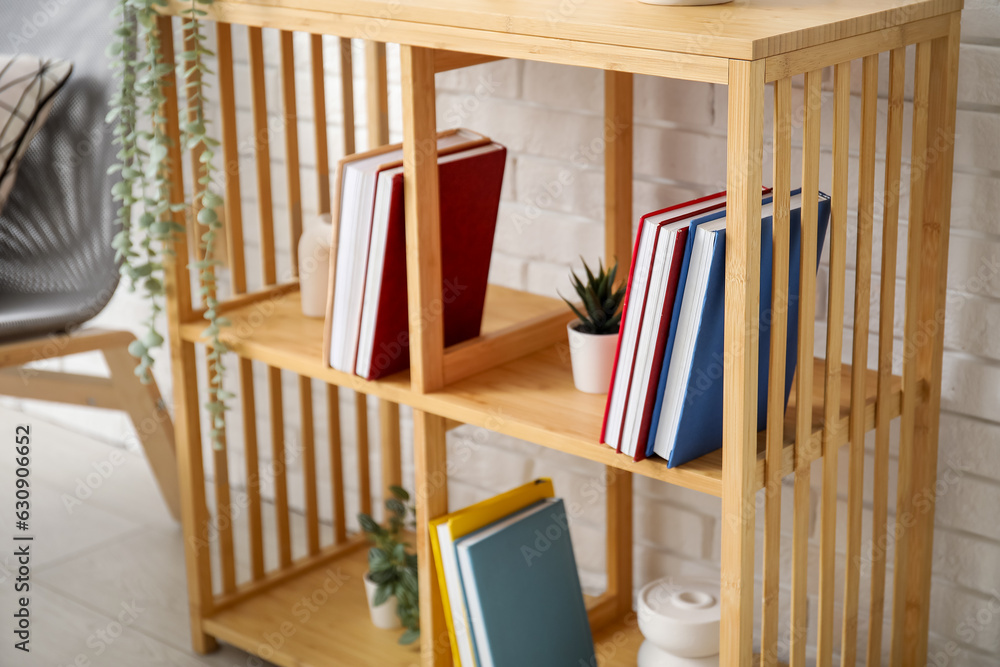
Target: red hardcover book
[(469, 186), (621, 331)]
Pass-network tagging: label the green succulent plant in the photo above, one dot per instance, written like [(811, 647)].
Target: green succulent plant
[(601, 299), (391, 563)]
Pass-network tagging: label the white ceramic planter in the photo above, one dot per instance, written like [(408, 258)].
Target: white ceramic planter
[(593, 357), (681, 617), (383, 616)]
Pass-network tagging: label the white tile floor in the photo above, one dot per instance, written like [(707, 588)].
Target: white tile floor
[(107, 573)]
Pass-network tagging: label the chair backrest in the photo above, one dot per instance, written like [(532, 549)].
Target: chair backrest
[(56, 228)]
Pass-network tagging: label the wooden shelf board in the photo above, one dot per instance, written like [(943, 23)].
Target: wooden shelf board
[(750, 30), (334, 628), (317, 619), (532, 397)]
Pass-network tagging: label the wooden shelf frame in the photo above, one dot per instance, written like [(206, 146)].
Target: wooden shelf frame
[(754, 50)]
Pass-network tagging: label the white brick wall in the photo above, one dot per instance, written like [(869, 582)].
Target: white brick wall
[(550, 119)]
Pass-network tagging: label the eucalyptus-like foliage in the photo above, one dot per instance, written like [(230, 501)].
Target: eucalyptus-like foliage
[(391, 565), (142, 160), (144, 241), (206, 203), (602, 301)]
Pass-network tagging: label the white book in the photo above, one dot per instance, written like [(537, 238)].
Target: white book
[(652, 314)]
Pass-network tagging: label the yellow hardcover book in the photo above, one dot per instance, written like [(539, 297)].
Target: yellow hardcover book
[(473, 518)]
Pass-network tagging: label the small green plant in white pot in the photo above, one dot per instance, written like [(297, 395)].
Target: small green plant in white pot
[(391, 580), (593, 336)]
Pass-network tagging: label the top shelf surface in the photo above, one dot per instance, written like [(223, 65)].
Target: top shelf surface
[(748, 29)]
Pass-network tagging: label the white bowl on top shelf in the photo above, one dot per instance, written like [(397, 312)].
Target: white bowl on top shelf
[(685, 2)]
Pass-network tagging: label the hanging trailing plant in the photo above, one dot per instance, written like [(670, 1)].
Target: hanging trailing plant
[(143, 148)]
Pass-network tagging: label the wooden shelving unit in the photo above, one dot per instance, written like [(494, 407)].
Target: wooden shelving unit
[(515, 378)]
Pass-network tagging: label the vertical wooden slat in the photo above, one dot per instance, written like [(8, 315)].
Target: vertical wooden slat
[(323, 206), (347, 93), (230, 155), (859, 358), (912, 334), (804, 372), (834, 349), (364, 472), (319, 123), (936, 197), (423, 231), (263, 162), (291, 132), (197, 522), (190, 79), (279, 467), (887, 306), (431, 470), (224, 514), (618, 113), (336, 464), (220, 462), (309, 465), (739, 429), (237, 265), (255, 526), (377, 93), (262, 151), (782, 164), (392, 465)]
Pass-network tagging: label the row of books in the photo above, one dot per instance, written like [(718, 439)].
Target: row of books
[(509, 582), (666, 390), (367, 315)]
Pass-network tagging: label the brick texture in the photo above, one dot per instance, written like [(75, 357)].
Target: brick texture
[(550, 119)]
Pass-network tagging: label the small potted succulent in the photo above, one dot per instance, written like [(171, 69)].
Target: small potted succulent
[(391, 580), (593, 335)]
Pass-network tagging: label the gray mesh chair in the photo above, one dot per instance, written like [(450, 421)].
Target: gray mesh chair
[(57, 267)]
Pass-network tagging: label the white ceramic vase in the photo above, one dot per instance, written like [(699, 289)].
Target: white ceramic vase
[(314, 265), (383, 616), (593, 359)]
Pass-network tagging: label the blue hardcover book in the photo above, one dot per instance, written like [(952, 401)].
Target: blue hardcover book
[(688, 416), (523, 593)]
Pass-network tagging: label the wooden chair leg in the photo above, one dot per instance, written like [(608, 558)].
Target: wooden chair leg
[(152, 422)]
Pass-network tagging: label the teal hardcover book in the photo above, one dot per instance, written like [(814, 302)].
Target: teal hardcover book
[(523, 593)]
